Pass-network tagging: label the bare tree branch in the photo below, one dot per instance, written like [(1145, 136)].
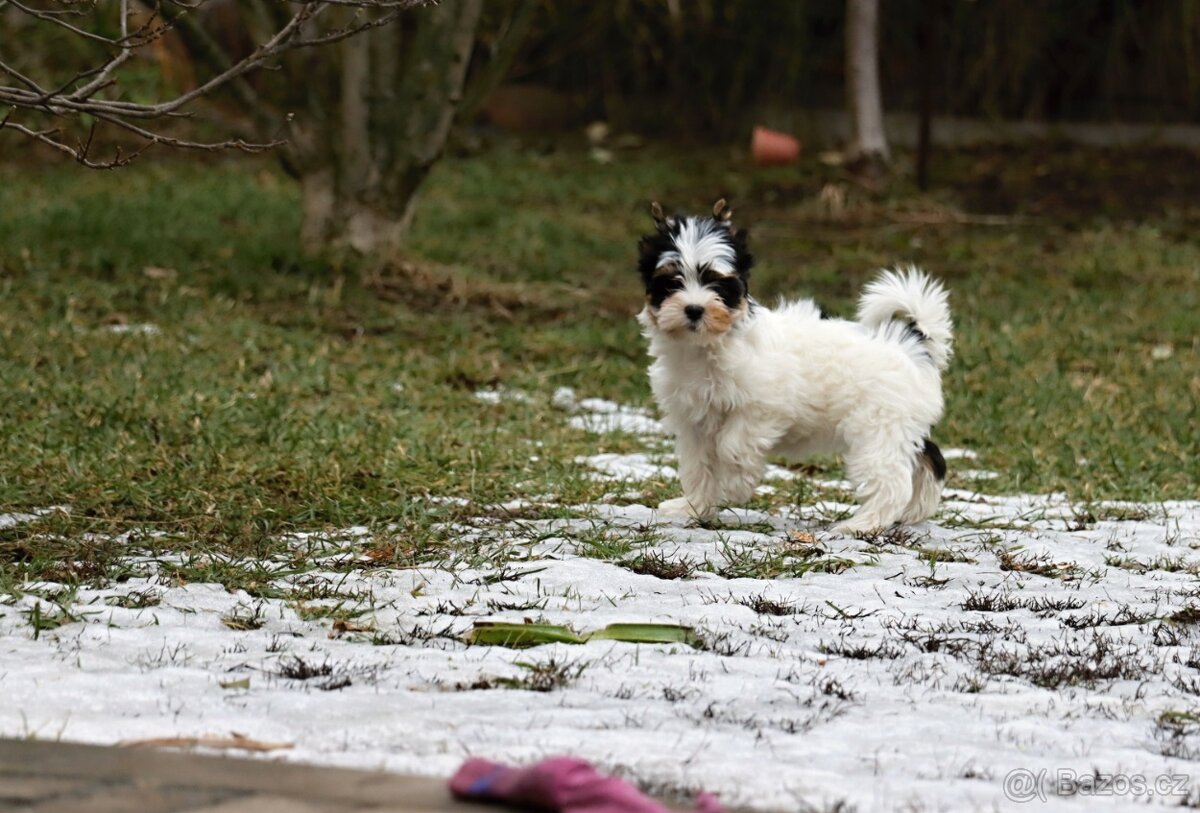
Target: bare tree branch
[(98, 97), (54, 17)]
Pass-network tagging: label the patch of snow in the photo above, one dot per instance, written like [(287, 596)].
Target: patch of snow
[(145, 329), (600, 416), (9, 520), (834, 485), (1162, 352), (959, 454), (437, 499), (564, 398), (499, 394), (910, 670), (20, 518), (637, 466), (976, 474), (774, 472), (877, 687), (633, 421)]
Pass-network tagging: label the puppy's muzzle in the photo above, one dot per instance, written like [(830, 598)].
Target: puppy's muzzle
[(694, 313)]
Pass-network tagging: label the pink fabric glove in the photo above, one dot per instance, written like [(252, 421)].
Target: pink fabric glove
[(559, 784)]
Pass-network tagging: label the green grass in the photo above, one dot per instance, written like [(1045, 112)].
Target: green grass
[(285, 392)]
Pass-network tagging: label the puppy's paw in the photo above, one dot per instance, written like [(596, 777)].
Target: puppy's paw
[(678, 508), (681, 508), (856, 526)]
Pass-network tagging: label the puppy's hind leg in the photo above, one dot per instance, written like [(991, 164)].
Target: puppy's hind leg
[(929, 474), (883, 470)]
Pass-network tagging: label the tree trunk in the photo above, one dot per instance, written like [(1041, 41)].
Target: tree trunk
[(399, 91), (364, 120), (926, 41), (868, 142), (317, 203)]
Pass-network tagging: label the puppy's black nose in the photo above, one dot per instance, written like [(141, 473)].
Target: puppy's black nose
[(694, 312)]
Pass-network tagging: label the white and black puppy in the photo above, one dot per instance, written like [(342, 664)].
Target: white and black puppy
[(738, 382)]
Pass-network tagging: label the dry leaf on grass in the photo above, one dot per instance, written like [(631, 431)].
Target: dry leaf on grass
[(341, 627), (382, 553), (801, 538)]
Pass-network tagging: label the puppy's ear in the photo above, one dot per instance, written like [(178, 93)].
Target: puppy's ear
[(651, 247), (721, 211), (744, 259)]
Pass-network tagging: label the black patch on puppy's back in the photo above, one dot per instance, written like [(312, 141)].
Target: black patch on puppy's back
[(910, 327), (933, 458)]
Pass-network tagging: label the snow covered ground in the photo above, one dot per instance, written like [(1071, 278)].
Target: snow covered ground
[(1011, 650)]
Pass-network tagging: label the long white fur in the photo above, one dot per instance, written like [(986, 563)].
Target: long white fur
[(915, 296), (786, 382), (701, 241)]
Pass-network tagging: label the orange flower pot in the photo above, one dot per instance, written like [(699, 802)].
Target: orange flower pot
[(771, 147)]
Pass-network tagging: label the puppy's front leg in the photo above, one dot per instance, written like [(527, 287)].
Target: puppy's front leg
[(719, 465), (697, 473), (741, 451)]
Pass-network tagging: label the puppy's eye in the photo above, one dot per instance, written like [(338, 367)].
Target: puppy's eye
[(662, 287), (729, 289)]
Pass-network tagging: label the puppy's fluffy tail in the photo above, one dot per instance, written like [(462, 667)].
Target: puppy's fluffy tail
[(916, 303)]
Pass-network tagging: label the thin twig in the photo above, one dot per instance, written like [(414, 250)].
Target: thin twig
[(70, 100)]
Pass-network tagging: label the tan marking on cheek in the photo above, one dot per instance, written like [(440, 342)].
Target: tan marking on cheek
[(717, 318)]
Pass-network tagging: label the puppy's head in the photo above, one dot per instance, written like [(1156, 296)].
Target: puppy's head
[(696, 271)]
